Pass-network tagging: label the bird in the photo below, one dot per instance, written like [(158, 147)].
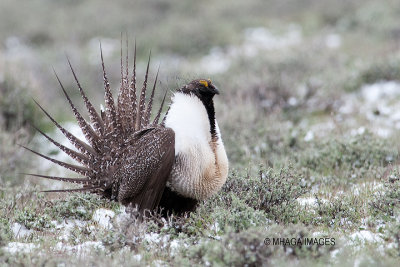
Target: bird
[(170, 164)]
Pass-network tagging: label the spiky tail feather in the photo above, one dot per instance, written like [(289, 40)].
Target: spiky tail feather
[(107, 135)]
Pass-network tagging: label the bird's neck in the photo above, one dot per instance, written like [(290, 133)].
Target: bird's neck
[(192, 119), (209, 105)]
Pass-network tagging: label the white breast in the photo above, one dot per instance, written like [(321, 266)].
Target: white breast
[(199, 170), (188, 118)]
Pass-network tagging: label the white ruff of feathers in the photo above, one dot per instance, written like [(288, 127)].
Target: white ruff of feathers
[(201, 165)]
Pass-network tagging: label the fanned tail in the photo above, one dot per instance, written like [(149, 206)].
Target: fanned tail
[(108, 134)]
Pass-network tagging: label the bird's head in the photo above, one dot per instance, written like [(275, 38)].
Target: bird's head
[(202, 88)]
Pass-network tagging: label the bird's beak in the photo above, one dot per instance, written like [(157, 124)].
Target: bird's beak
[(215, 90)]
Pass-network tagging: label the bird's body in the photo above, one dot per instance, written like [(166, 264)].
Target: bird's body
[(172, 164)]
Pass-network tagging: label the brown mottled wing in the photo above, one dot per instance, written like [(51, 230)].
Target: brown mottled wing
[(144, 172)]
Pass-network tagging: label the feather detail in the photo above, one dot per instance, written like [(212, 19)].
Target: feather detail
[(142, 102), (114, 125), (81, 146), (149, 105), (165, 116), (84, 181), (84, 189), (132, 94), (95, 119), (73, 154), (75, 168), (90, 135), (157, 118), (123, 96)]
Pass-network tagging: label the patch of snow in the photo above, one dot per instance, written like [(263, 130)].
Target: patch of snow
[(357, 262), (358, 131), (319, 234), (365, 236), (122, 216), (80, 249), (334, 253), (386, 246), (20, 230), (215, 227), (159, 263), (344, 221), (333, 41), (309, 136), (380, 227), (66, 227), (137, 257), (378, 103), (17, 247), (391, 245), (152, 238), (311, 201), (367, 187), (103, 217), (356, 191), (292, 101), (174, 246), (92, 228), (372, 93), (81, 209), (384, 132)]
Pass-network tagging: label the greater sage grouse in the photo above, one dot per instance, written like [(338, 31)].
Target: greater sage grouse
[(171, 164)]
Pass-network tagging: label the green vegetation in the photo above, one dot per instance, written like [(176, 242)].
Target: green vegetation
[(16, 112)]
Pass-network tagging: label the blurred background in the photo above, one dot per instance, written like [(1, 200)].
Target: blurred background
[(290, 72)]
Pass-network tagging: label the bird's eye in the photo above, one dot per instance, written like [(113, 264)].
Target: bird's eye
[(204, 82)]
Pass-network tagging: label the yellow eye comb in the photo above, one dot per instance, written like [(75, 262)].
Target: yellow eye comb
[(204, 82)]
